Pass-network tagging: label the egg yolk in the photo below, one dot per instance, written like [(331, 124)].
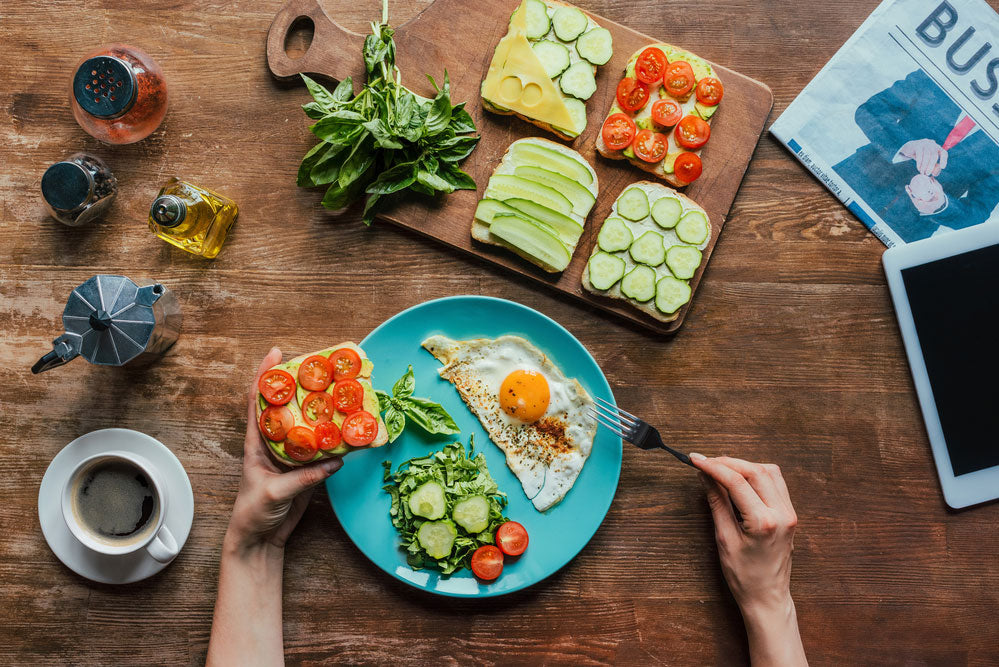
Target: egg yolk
[(525, 395)]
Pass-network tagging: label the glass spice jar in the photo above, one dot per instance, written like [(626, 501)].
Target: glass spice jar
[(118, 94), (79, 189)]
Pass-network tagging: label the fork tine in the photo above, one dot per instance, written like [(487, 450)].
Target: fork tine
[(617, 415), (610, 426), (623, 412)]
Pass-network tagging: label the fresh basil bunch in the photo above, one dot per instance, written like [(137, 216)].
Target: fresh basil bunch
[(431, 417), (385, 139)]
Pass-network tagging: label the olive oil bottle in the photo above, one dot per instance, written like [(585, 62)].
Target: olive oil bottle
[(192, 218)]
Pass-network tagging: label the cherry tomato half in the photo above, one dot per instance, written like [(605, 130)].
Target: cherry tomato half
[(487, 562), (618, 131), (511, 538), (275, 422), (315, 373), (359, 429), (679, 78), (666, 112), (317, 408), (346, 364), (328, 436), (687, 167), (692, 132), (276, 386), (709, 91), (650, 65), (300, 444), (348, 395), (631, 94), (650, 146)]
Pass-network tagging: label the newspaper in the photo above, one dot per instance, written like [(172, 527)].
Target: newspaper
[(903, 123)]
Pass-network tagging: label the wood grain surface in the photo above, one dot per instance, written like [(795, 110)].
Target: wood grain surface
[(435, 36), (790, 354)]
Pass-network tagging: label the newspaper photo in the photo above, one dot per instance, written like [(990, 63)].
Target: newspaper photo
[(902, 125)]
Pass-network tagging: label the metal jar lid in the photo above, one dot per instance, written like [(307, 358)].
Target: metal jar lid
[(67, 186), (105, 86), (168, 210)]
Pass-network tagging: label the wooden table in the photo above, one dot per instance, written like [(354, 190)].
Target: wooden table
[(790, 354)]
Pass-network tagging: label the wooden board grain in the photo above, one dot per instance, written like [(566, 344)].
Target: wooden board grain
[(459, 37)]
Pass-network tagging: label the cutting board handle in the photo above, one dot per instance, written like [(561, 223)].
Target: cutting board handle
[(334, 51)]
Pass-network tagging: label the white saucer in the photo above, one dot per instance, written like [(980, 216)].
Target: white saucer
[(86, 562)]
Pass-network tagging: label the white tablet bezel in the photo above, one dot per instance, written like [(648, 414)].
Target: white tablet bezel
[(971, 488)]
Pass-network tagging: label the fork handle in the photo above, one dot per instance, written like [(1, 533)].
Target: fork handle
[(679, 455)]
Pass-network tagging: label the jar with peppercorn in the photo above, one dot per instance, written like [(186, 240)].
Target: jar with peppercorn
[(79, 189)]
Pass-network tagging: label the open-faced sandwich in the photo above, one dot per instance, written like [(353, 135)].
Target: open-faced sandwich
[(536, 202), (648, 249), (319, 405), (660, 119), (543, 69)]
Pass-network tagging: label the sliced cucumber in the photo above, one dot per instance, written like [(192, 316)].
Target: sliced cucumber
[(639, 284), (546, 158), (578, 80), (472, 514), (648, 249), (666, 212), (488, 208), (533, 240), (577, 110), (533, 221), (538, 23), (671, 293), (615, 235), (605, 270), (683, 260), (633, 204), (569, 23), (437, 538), (596, 46), (428, 500), (568, 229), (554, 57), (508, 186), (693, 228), (580, 196)]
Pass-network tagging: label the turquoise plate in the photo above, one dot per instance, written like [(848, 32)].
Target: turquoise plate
[(557, 535)]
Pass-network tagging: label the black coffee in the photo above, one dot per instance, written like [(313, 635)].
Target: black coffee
[(116, 501)]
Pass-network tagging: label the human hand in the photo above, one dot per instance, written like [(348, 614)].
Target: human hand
[(925, 193), (270, 502), (929, 156)]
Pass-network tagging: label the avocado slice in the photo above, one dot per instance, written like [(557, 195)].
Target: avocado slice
[(705, 111)]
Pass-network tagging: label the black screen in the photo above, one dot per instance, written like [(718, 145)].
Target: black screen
[(955, 305)]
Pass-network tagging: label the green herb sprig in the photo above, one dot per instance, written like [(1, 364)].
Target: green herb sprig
[(431, 417)]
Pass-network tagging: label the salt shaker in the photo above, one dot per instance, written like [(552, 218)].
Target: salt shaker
[(78, 189)]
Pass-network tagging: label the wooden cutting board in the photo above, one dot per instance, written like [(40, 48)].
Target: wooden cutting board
[(460, 36)]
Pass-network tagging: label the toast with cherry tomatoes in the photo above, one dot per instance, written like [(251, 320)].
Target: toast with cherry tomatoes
[(319, 405), (660, 119)]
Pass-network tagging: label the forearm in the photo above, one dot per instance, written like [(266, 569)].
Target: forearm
[(246, 629), (773, 636)]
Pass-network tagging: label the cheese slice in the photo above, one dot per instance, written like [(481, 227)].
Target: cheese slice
[(516, 79)]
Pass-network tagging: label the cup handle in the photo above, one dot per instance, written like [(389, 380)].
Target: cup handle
[(163, 547)]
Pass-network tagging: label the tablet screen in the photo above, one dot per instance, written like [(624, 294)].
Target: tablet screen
[(955, 306)]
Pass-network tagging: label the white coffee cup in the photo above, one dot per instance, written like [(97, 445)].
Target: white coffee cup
[(154, 537)]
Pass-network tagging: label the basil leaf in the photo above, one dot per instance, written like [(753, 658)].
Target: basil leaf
[(344, 90), (395, 422), (461, 120), (319, 93), (405, 385), (379, 129), (397, 178), (311, 158), (327, 169), (458, 179), (422, 189), (384, 400), (361, 157), (457, 150), (314, 110), (433, 181), (371, 206), (439, 114), (339, 130), (432, 417)]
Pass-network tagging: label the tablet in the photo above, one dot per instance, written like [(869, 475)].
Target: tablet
[(946, 294)]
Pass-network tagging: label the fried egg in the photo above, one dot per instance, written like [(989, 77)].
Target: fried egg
[(529, 408)]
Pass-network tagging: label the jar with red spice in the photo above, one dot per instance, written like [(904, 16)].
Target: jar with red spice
[(118, 94)]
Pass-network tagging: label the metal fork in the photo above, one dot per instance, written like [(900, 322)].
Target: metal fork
[(629, 427)]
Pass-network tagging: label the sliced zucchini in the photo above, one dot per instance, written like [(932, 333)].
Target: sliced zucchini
[(568, 229), (578, 80), (577, 110), (488, 208), (671, 293), (596, 46), (428, 500), (437, 538), (546, 158), (534, 240), (508, 186), (538, 23), (580, 196), (472, 513), (639, 284), (666, 212), (615, 235), (633, 204), (554, 57), (569, 23), (648, 249), (683, 260), (693, 228), (605, 270)]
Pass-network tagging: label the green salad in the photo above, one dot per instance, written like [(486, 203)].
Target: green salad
[(445, 506)]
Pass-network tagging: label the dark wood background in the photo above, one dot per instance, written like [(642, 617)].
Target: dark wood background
[(790, 354)]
